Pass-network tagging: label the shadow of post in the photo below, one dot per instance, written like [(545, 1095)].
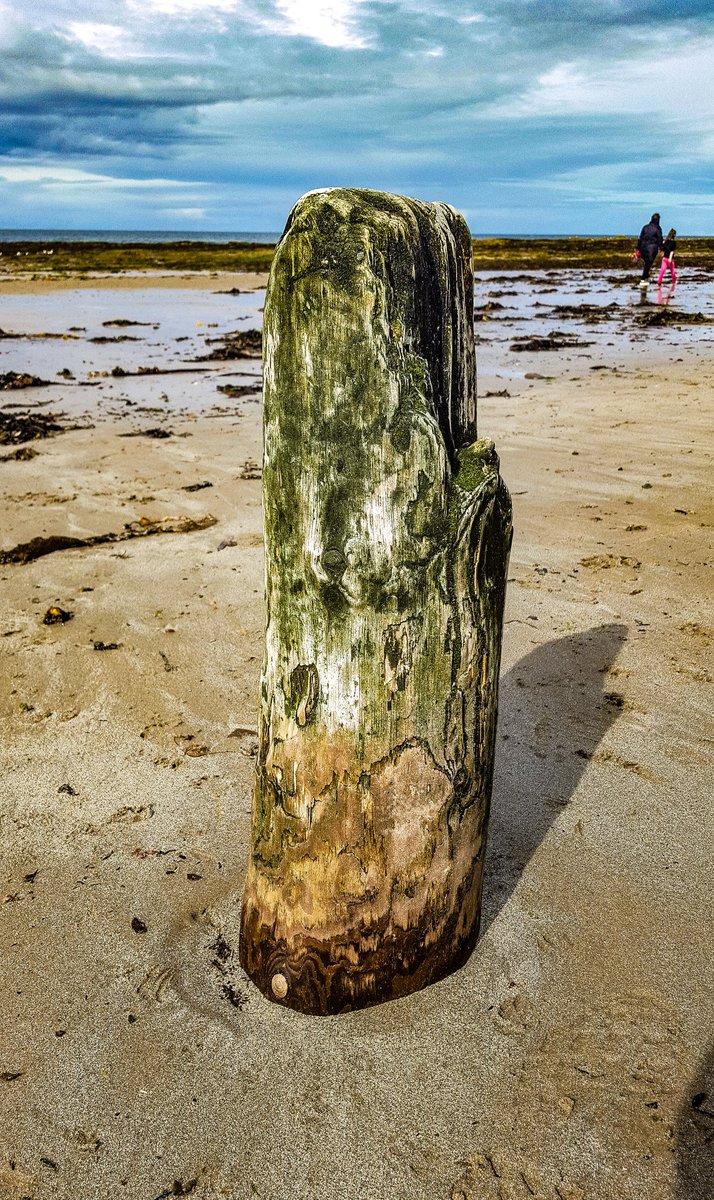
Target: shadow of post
[(554, 708), (694, 1136)]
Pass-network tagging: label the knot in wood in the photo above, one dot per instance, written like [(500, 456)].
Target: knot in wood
[(333, 562)]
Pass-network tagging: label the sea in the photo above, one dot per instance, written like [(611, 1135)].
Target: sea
[(266, 237)]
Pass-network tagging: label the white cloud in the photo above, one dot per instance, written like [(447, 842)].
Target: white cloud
[(184, 8), (190, 214), (111, 41), (10, 26), (58, 177), (332, 22), (624, 86)]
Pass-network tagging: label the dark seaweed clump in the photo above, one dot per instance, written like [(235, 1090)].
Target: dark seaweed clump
[(25, 427), (243, 343), (15, 381)]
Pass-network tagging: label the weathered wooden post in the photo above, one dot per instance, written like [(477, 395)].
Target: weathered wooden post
[(387, 537)]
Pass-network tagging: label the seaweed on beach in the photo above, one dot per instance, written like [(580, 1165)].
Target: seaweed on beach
[(122, 373), (652, 317), (54, 258), (236, 390), (122, 322), (104, 338), (60, 258), (242, 343), (552, 341), (590, 314), (25, 427), (10, 336), (15, 381), (155, 432), (24, 454), (38, 547)]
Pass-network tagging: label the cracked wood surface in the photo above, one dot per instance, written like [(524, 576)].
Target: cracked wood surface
[(387, 536)]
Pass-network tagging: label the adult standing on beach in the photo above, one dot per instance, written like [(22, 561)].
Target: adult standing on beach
[(649, 245)]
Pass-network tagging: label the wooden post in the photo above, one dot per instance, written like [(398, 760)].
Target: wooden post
[(387, 536)]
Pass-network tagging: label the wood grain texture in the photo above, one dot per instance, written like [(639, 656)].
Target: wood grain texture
[(387, 536)]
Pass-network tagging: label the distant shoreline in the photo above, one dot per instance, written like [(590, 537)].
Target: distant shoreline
[(60, 259)]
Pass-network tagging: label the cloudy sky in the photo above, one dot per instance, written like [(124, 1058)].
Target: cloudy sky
[(530, 116)]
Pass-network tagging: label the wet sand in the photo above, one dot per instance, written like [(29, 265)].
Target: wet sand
[(572, 1057), (20, 285)]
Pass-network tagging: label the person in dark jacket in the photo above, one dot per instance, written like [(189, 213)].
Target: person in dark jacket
[(649, 245)]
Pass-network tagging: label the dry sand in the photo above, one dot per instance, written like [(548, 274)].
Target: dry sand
[(568, 1059)]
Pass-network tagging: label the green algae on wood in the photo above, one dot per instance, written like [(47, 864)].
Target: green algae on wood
[(387, 536)]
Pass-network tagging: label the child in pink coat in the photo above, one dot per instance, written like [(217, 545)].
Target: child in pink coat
[(668, 249)]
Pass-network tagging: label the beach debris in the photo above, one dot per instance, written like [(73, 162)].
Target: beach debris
[(122, 373), (601, 562), (551, 341), (242, 343), (197, 487), (154, 432), (590, 314), (251, 470), (226, 543), (106, 645), (56, 616), (102, 338), (669, 316), (482, 312), (66, 789), (24, 454), (26, 426), (168, 666), (180, 1187), (222, 955), (143, 852), (14, 381), (7, 335), (123, 322), (138, 926), (189, 746), (145, 527), (236, 390), (504, 393), (11, 1076)]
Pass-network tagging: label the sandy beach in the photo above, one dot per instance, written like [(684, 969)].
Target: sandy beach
[(572, 1058)]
